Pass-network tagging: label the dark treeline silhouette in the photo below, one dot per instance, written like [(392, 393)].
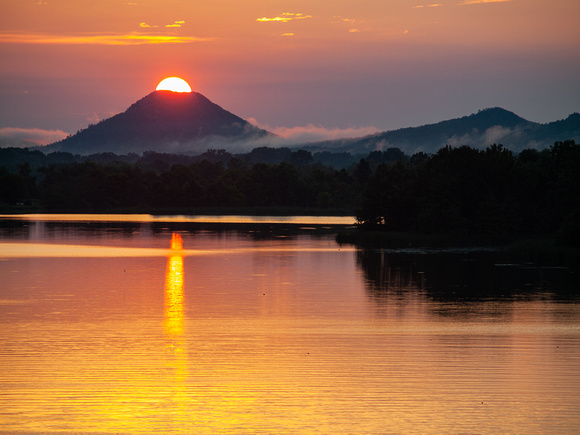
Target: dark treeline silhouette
[(491, 192), (265, 177), (458, 191)]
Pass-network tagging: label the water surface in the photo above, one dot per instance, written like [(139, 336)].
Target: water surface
[(274, 328)]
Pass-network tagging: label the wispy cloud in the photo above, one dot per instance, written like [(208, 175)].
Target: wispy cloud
[(12, 136), (313, 133), (287, 34), (176, 24), (340, 20), (477, 2), (112, 39), (435, 5), (284, 18)]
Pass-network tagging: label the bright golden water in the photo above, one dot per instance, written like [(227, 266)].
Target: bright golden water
[(109, 330)]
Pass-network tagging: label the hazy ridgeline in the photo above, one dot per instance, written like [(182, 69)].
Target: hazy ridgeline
[(459, 191)]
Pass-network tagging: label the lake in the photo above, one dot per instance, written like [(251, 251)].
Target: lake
[(269, 326)]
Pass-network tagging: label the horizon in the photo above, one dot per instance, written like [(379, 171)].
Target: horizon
[(293, 69)]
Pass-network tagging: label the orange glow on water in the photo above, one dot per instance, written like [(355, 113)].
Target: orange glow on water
[(176, 241), (173, 313), (173, 323)]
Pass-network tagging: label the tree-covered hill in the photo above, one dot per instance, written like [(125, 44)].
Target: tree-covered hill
[(479, 130)]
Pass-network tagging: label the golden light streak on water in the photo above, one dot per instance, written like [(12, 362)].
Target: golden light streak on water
[(48, 250), (173, 320), (176, 242), (230, 219)]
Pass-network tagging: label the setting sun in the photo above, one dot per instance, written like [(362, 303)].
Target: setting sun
[(173, 84)]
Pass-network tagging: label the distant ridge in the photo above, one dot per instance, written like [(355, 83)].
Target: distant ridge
[(189, 123), (478, 130), (163, 121)]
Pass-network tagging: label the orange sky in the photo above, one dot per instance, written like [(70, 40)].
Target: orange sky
[(331, 66)]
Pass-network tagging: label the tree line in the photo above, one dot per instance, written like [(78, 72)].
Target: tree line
[(460, 191), (173, 183), (491, 192)]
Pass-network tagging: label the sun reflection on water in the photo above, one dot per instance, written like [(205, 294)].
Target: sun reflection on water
[(173, 319), (173, 314)]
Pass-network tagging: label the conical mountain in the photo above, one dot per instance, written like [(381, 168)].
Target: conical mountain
[(163, 121)]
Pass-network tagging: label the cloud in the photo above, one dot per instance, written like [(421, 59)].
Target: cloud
[(12, 136), (176, 24), (287, 34), (497, 134), (477, 2), (435, 5), (284, 18), (113, 39), (313, 133)]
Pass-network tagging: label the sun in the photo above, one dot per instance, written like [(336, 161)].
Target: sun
[(173, 84)]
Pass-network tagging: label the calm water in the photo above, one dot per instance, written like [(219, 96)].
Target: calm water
[(266, 328)]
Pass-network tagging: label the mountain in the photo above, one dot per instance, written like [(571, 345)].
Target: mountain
[(479, 130), (163, 121), (171, 122)]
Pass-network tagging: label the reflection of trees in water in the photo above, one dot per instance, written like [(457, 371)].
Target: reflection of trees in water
[(255, 231), (394, 284), (470, 276), (56, 229), (14, 228), (388, 274)]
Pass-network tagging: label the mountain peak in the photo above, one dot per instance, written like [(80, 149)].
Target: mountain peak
[(498, 116), (162, 121)]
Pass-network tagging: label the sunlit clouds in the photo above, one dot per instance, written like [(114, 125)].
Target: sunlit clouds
[(461, 3), (176, 24), (112, 39), (476, 2), (284, 18)]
